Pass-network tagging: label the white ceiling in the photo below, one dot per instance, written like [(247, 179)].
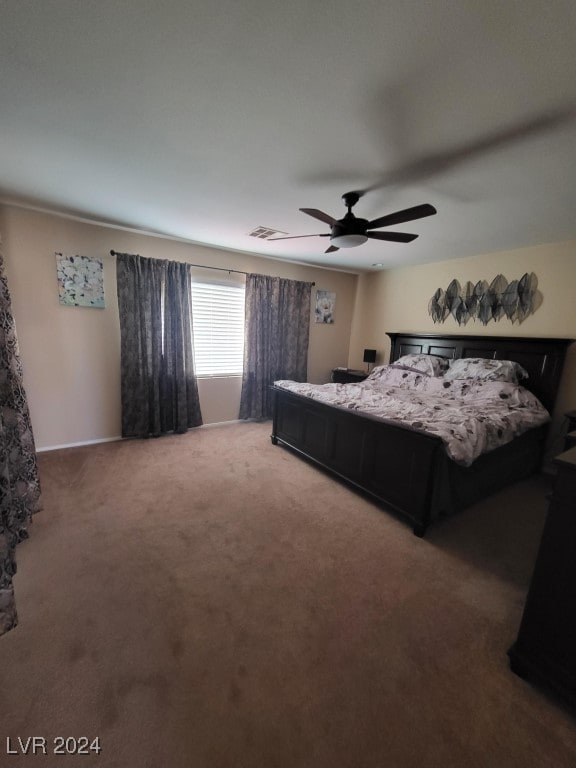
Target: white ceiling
[(203, 119)]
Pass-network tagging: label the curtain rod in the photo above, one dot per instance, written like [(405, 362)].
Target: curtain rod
[(205, 266)]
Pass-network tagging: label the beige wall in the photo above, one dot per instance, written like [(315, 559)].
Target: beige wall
[(397, 300), (71, 355)]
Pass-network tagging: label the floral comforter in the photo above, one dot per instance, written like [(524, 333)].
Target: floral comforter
[(471, 417)]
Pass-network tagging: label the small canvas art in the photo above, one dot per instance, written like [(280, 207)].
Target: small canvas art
[(325, 303), (80, 281)]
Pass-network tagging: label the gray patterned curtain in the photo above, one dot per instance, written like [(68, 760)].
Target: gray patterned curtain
[(276, 339), (158, 385), (19, 483)]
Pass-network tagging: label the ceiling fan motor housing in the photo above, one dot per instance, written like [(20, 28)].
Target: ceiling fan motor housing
[(349, 225)]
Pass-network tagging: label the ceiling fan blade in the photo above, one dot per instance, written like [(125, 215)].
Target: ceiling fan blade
[(395, 237), (425, 167), (295, 237), (316, 214), (409, 214), (331, 249)]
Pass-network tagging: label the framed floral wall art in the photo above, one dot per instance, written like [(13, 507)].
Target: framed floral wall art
[(325, 304), (80, 281)]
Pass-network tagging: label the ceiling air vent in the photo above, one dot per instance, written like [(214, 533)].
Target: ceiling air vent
[(265, 232)]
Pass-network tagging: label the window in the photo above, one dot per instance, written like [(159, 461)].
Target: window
[(218, 329)]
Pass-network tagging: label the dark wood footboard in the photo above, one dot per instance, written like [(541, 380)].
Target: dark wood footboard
[(394, 465), (407, 472)]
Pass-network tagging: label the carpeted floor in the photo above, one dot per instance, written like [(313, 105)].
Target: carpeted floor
[(212, 601)]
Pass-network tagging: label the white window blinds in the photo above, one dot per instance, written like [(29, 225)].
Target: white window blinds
[(218, 329)]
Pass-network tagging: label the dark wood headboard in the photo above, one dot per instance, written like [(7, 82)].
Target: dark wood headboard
[(542, 358)]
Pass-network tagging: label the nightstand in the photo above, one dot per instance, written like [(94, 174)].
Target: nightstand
[(347, 376)]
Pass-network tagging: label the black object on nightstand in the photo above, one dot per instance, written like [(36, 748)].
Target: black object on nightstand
[(545, 649), (347, 376)]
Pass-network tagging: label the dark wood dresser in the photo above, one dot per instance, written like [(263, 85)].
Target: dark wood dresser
[(545, 651)]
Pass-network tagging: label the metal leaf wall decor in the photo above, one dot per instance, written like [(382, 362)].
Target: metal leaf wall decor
[(485, 302)]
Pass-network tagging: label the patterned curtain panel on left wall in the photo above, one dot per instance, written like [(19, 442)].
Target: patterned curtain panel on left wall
[(19, 483), (158, 386)]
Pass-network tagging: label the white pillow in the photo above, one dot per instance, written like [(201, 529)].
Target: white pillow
[(431, 365), (485, 369)]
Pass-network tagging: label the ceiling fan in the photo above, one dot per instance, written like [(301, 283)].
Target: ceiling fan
[(352, 231)]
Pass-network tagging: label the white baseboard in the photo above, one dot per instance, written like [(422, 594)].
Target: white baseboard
[(220, 423), (77, 445), (114, 439)]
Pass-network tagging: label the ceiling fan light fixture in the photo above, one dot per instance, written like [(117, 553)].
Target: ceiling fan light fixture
[(348, 241)]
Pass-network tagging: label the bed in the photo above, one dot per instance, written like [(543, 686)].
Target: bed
[(409, 472)]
